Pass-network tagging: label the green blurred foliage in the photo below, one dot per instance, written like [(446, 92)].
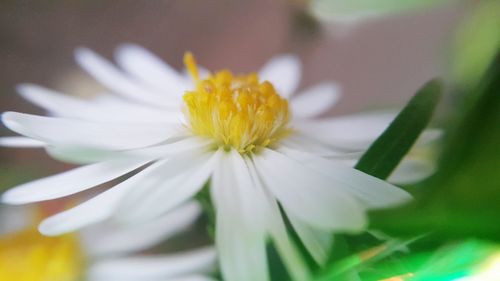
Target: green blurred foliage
[(477, 43), (450, 262), (462, 199), (11, 176)]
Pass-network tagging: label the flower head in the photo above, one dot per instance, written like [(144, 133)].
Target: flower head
[(247, 135), (27, 255), (237, 112), (102, 252)]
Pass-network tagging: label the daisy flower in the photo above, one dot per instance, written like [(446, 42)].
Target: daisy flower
[(255, 143), (101, 252)]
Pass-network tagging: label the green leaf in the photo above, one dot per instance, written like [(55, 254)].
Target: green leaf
[(386, 152), (478, 41)]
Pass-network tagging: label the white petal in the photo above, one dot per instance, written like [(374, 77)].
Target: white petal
[(190, 278), (354, 132), (20, 142), (86, 155), (309, 195), (62, 105), (412, 170), (70, 182), (72, 132), (315, 101), (111, 239), (176, 278), (373, 192), (180, 179), (284, 73), (240, 238), (81, 155), (287, 249), (181, 146), (154, 267), (112, 78), (112, 108), (93, 210), (317, 242), (303, 142), (429, 136), (151, 70)]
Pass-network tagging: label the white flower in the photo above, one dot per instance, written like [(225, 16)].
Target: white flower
[(351, 12), (236, 132), (103, 252)]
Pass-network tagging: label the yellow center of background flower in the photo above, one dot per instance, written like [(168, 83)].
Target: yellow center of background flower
[(238, 112), (30, 256)]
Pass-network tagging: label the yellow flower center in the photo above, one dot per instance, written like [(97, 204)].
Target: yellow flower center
[(30, 256), (237, 112)]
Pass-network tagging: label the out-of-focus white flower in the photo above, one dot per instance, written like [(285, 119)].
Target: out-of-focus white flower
[(418, 164), (103, 252), (240, 133), (353, 11)]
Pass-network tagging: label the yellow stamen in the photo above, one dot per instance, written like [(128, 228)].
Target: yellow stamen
[(190, 63), (30, 256), (236, 111)]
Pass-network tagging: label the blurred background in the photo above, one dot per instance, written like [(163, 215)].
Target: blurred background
[(377, 62)]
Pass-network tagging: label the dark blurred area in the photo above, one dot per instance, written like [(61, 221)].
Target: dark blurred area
[(378, 63)]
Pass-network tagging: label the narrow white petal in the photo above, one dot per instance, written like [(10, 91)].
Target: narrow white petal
[(373, 192), (70, 182), (315, 101), (93, 109), (136, 112), (180, 179), (63, 131), (287, 249), (112, 78), (303, 142), (429, 136), (94, 210), (354, 132), (20, 142), (181, 146), (412, 170), (86, 155), (82, 155), (110, 239), (193, 278), (284, 73), (154, 267), (151, 70), (317, 242), (308, 194), (133, 278), (190, 278), (240, 238), (55, 102)]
